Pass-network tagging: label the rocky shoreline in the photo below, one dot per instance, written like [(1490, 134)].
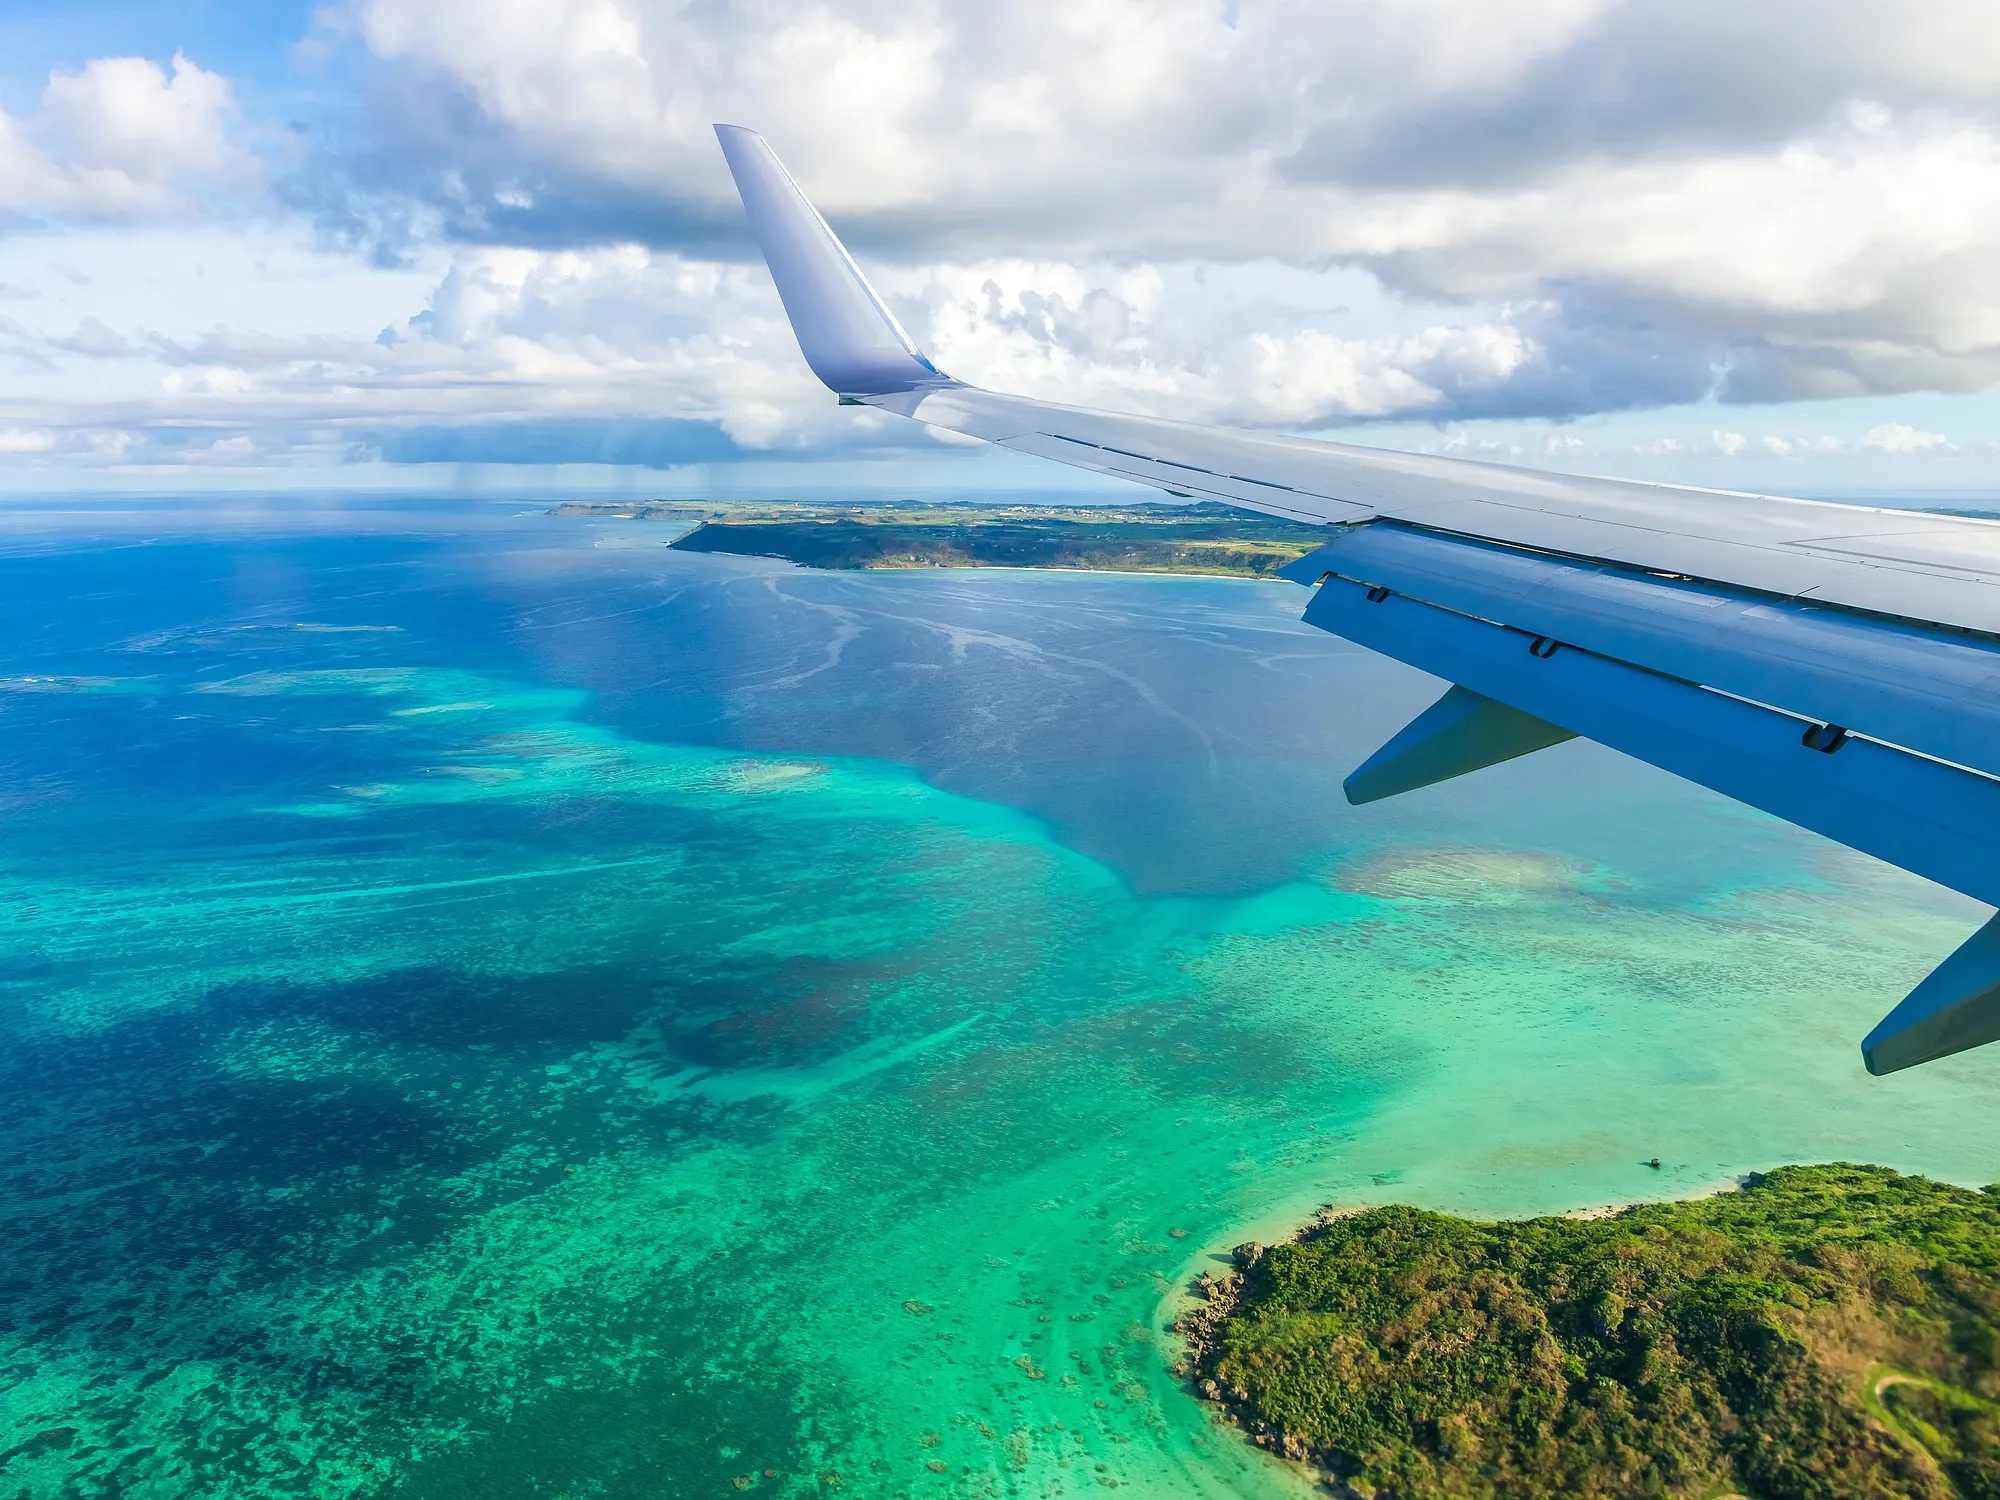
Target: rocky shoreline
[(1200, 1329), (1828, 1330)]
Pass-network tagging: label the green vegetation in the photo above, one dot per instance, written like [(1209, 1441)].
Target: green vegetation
[(1830, 1331), (1203, 538)]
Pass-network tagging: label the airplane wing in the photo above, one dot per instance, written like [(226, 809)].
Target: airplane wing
[(1836, 665)]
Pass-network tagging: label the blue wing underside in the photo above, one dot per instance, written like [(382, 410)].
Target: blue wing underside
[(1837, 666)]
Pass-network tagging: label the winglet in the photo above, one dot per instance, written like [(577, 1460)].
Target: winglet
[(851, 340)]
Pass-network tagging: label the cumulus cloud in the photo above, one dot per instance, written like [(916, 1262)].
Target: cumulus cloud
[(1146, 337), (1789, 200), (1630, 80), (126, 115), (608, 355), (1899, 437), (118, 137), (1294, 213), (1799, 447), (622, 353)]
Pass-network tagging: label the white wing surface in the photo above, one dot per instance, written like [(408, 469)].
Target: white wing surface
[(1836, 665)]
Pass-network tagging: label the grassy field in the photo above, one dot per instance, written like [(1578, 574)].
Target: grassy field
[(1829, 1331)]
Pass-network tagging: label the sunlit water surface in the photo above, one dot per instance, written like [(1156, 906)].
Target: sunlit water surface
[(494, 1007)]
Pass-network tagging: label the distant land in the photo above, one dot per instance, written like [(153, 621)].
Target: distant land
[(1200, 538), (1829, 1331)]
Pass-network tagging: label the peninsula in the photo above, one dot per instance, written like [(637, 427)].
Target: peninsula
[(1829, 1331), (1146, 538)]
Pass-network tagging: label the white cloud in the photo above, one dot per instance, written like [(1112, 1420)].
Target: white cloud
[(1134, 336), (507, 336), (1899, 437), (25, 440), (507, 341), (1795, 447), (1461, 442), (1314, 377), (623, 332), (124, 114), (1329, 212), (117, 138), (1824, 189)]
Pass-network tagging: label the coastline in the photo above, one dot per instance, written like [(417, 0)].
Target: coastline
[(1385, 1348), (1292, 1222), (1199, 540), (1047, 568), (980, 567)]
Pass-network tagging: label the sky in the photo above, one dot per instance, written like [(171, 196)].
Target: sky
[(491, 244)]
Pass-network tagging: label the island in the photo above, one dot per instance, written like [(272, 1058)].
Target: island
[(1205, 537), (1826, 1331)]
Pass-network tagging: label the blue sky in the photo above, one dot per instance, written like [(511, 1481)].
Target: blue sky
[(489, 243)]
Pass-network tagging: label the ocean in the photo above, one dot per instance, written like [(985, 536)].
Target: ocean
[(495, 1007)]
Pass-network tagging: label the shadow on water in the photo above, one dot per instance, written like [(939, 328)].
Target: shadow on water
[(267, 1128), (173, 1173)]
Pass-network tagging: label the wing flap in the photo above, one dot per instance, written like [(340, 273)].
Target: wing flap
[(1461, 733), (1932, 691), (1927, 816), (1956, 1007)]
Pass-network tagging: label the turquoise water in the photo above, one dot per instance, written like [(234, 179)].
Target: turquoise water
[(495, 1008)]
